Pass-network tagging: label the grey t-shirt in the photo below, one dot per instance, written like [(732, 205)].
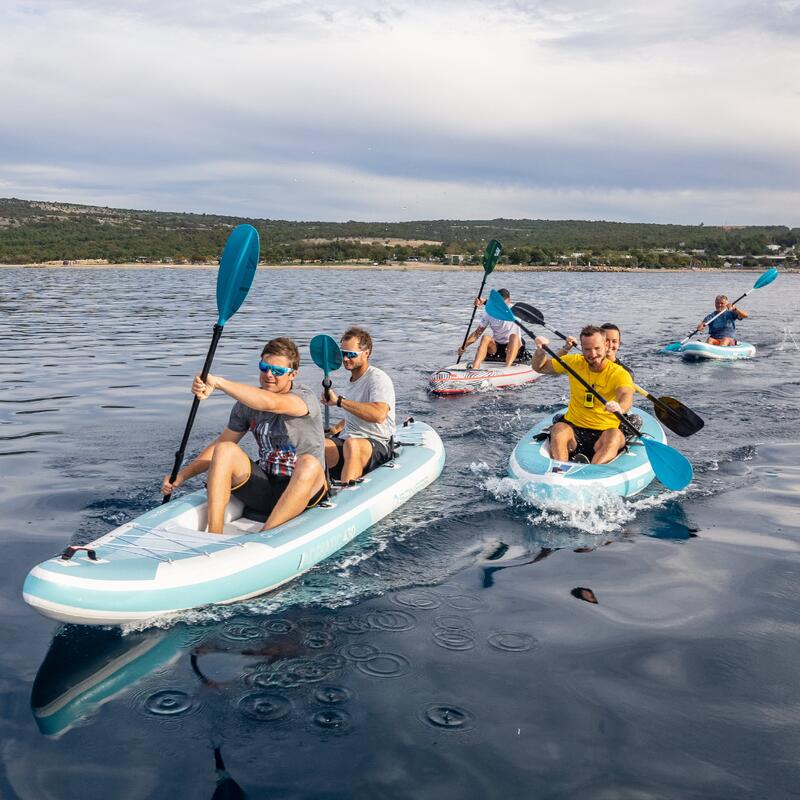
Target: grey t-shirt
[(374, 386), (282, 438)]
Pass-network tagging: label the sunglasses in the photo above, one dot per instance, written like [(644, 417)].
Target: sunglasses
[(352, 353), (278, 372)]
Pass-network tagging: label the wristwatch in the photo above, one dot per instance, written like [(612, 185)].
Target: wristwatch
[(339, 401)]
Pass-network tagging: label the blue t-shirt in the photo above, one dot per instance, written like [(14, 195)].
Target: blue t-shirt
[(723, 325)]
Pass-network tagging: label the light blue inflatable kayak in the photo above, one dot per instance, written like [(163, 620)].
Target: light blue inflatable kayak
[(701, 351), (164, 562), (543, 478)]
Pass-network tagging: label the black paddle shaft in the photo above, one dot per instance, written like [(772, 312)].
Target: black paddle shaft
[(624, 421), (326, 387), (179, 453), (472, 318)]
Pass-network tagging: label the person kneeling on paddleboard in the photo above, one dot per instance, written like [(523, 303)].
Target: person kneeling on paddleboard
[(503, 342), (588, 430), (286, 422), (363, 439), (722, 322)]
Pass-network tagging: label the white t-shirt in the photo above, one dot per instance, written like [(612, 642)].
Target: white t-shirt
[(500, 329), (374, 386)]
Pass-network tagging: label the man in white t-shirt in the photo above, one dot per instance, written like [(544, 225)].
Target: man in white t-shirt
[(363, 439), (502, 341)]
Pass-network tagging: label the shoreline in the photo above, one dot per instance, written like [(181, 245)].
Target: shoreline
[(417, 266)]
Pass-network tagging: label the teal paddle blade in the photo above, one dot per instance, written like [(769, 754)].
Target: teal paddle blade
[(325, 353), (493, 251), (236, 270), (671, 467), (766, 278), (672, 348), (497, 307)]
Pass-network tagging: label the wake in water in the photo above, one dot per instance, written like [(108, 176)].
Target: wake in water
[(597, 512)]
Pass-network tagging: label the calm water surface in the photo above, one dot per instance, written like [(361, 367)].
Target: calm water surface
[(447, 652)]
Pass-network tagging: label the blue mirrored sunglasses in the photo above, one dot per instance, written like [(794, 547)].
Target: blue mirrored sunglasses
[(275, 370), (351, 353)]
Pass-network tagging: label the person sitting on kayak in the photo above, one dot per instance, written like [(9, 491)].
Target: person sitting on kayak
[(722, 330), (588, 429), (504, 341), (363, 439), (613, 342), (286, 422)]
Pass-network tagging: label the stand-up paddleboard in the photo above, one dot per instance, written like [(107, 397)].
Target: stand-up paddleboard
[(460, 379), (702, 351), (547, 479), (164, 562)]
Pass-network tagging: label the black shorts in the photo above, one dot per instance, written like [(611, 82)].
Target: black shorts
[(586, 438), (381, 453), (500, 355), (260, 493)]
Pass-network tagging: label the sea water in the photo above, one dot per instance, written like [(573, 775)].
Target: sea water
[(471, 644)]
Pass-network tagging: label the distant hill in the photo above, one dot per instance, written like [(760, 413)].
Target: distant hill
[(37, 231)]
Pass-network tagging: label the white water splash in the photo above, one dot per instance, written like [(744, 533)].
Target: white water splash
[(789, 341), (597, 512)]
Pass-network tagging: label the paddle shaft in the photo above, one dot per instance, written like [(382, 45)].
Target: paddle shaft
[(472, 318), (695, 331), (326, 387), (179, 453), (624, 422)]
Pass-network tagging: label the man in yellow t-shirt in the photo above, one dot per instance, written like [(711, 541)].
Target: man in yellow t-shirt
[(588, 427)]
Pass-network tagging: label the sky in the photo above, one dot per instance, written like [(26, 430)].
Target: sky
[(676, 112)]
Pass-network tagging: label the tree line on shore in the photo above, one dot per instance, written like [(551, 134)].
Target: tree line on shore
[(35, 232)]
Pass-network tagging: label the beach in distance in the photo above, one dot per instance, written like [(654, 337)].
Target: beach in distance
[(413, 266)]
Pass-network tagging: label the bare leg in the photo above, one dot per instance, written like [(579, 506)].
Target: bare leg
[(307, 479), (230, 466), (331, 454), (512, 348), (486, 347), (608, 445), (357, 453), (723, 341), (562, 440)]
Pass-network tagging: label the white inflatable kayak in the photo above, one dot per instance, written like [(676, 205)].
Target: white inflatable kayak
[(546, 479), (700, 351), (164, 562), (459, 379)]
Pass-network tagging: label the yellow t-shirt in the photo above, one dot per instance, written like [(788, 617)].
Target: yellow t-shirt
[(585, 410)]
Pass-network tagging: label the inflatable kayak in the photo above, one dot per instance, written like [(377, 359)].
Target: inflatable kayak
[(460, 379), (546, 479), (699, 351), (164, 562)]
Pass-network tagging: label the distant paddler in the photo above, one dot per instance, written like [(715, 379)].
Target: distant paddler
[(502, 341), (722, 322)]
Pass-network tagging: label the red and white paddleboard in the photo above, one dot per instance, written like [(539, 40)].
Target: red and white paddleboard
[(458, 379)]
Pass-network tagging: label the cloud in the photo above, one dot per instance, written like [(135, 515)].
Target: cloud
[(190, 104)]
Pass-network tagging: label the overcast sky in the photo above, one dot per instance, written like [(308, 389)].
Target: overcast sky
[(681, 111)]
